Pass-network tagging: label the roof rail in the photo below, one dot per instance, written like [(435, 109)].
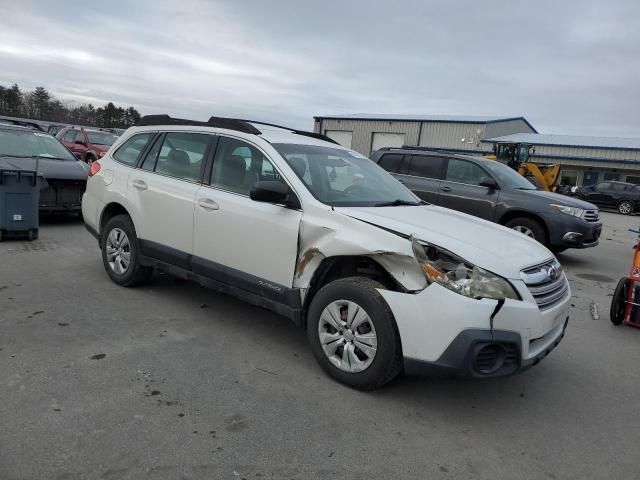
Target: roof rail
[(318, 136), (218, 122), (240, 125), (22, 123)]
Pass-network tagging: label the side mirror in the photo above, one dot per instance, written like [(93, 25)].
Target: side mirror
[(489, 182), (273, 191)]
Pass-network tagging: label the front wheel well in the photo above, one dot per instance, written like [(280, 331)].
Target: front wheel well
[(512, 215), (334, 268)]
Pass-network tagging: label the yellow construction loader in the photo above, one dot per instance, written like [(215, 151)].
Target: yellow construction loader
[(516, 155)]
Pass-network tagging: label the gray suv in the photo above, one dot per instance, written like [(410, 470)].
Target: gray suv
[(491, 190)]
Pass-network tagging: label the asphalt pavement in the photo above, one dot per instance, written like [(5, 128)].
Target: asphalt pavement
[(172, 381)]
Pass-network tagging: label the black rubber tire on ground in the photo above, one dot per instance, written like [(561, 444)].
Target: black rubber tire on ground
[(534, 226), (625, 207), (136, 274), (387, 363), (618, 301), (89, 159), (557, 250)]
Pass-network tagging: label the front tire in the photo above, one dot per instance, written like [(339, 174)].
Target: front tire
[(353, 334), (625, 207), (529, 227), (619, 301), (120, 253)]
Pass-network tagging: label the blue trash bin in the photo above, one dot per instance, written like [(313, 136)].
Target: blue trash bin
[(19, 202)]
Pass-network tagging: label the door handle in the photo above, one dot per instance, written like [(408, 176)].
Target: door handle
[(445, 189), (140, 185), (208, 204)]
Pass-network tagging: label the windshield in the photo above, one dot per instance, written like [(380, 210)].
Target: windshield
[(27, 143), (344, 178), (507, 177), (101, 138)]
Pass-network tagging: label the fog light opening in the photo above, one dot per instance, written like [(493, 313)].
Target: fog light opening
[(489, 358)]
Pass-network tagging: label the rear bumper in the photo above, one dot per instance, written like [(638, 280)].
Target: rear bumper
[(478, 353)]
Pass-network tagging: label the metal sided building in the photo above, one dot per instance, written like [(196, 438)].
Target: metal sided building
[(584, 160), (366, 133)]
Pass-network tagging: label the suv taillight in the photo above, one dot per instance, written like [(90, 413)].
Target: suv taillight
[(94, 168)]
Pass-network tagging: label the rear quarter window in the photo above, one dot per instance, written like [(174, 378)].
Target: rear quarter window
[(129, 152), (391, 162)]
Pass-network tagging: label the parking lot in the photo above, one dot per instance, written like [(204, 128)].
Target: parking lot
[(174, 381)]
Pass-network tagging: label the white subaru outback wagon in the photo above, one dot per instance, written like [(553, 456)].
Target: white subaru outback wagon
[(291, 221)]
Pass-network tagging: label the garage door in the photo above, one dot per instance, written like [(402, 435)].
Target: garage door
[(342, 137), (387, 140)]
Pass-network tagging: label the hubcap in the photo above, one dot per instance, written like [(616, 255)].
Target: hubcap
[(524, 230), (625, 207), (118, 250), (347, 336)]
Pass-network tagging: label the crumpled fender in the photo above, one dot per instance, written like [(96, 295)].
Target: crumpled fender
[(325, 236)]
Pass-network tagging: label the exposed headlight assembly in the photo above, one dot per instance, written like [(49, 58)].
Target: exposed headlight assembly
[(452, 272), (573, 211)]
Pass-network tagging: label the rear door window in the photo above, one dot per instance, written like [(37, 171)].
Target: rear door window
[(426, 166), (462, 171), (182, 155)]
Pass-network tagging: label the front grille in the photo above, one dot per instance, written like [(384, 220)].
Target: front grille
[(547, 283), (592, 215), (62, 193)]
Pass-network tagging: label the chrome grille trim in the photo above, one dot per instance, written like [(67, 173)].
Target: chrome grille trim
[(547, 283), (592, 215)]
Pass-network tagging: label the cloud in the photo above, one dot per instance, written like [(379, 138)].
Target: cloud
[(569, 67)]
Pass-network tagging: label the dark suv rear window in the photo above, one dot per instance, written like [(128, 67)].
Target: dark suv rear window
[(391, 162), (426, 166)]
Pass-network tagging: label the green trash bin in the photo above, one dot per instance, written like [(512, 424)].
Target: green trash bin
[(19, 202)]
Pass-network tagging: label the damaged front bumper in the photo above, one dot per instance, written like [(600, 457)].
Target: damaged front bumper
[(480, 354), (444, 333)]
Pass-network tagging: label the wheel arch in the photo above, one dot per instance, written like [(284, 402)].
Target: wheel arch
[(109, 211), (344, 266), (513, 214)]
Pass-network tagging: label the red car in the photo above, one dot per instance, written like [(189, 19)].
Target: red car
[(85, 143)]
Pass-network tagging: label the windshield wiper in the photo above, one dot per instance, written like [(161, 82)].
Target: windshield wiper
[(400, 203)]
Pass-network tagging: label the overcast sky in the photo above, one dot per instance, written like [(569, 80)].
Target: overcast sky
[(567, 66)]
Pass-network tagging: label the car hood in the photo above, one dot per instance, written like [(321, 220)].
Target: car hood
[(485, 244), (51, 169), (561, 199)]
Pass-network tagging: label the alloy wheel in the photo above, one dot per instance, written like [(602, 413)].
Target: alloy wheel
[(118, 250), (524, 230), (624, 208), (347, 336)]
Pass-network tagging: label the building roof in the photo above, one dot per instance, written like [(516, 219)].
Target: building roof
[(612, 143), (421, 118)]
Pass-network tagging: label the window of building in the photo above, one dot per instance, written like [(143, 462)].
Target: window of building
[(633, 179), (129, 152), (569, 177)]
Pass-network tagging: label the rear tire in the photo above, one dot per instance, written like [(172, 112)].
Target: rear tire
[(618, 302), (89, 159), (373, 352), (625, 207), (121, 253), (529, 227)]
